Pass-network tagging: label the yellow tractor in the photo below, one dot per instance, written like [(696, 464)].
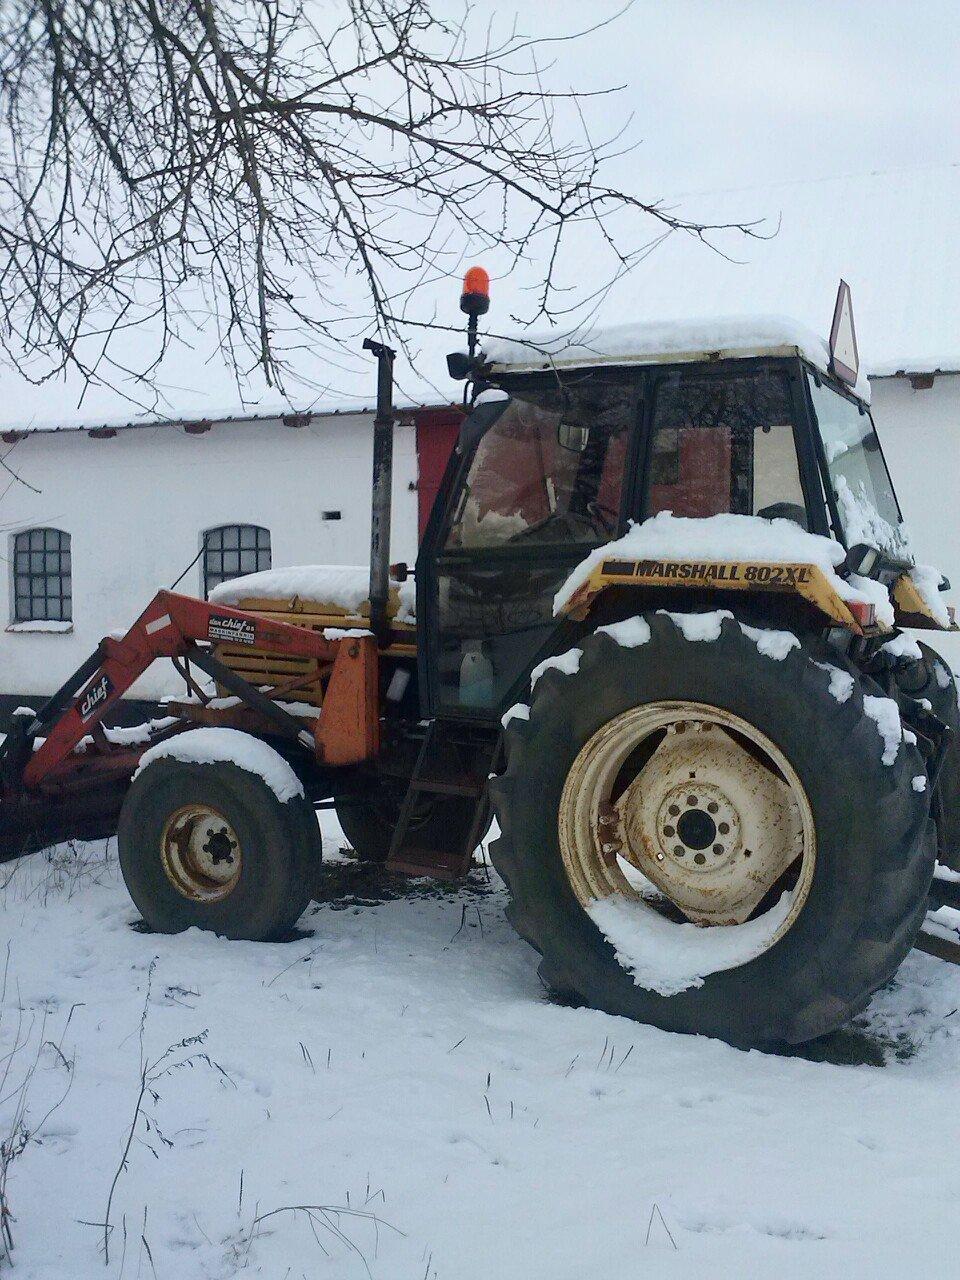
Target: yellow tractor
[(659, 629)]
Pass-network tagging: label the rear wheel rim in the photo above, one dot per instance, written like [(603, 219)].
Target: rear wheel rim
[(201, 853), (690, 811)]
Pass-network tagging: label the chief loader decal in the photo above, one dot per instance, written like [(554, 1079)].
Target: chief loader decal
[(98, 693), (232, 630)]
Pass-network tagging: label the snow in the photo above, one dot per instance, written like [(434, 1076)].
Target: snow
[(403, 1054), (656, 341), (926, 578), (774, 644), (669, 958), (568, 663), (345, 587), (519, 711), (863, 523), (903, 646), (699, 626), (885, 713), (345, 633), (841, 682), (137, 735), (211, 746), (730, 537), (492, 395), (40, 625), (919, 783), (629, 634)]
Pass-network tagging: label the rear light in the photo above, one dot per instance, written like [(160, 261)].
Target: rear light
[(864, 613)]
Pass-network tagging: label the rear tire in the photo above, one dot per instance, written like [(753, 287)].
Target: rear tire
[(874, 840), (211, 846)]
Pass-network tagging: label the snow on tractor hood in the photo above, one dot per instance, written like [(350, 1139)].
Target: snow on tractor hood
[(731, 537), (342, 586), (664, 342)]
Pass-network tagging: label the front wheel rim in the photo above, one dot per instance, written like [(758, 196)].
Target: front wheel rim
[(201, 853), (690, 811)]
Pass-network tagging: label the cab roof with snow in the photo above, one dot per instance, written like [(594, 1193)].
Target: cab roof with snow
[(663, 342)]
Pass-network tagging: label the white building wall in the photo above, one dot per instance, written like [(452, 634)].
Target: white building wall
[(137, 504), (920, 434)]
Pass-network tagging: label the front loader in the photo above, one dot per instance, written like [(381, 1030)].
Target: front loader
[(660, 629)]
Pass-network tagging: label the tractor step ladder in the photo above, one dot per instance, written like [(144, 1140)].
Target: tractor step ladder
[(451, 763)]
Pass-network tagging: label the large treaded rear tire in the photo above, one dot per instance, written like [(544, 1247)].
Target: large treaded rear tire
[(875, 841), (279, 840)]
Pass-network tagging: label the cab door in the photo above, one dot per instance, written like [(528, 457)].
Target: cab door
[(534, 486)]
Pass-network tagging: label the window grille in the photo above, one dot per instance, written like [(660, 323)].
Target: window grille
[(42, 583), (232, 550)]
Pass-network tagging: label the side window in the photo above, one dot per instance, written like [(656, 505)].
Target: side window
[(233, 550), (548, 476), (42, 576), (724, 444)]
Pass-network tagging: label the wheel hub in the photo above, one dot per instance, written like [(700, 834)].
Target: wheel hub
[(698, 826), (200, 853)]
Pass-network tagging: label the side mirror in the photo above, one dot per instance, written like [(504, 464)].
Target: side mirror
[(862, 559), (573, 438)]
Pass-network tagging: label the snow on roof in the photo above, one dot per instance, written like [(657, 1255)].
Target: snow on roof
[(887, 233), (649, 342)]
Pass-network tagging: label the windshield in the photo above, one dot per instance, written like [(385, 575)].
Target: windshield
[(858, 474), (545, 475)]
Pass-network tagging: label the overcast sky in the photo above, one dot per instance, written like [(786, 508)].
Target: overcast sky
[(747, 92)]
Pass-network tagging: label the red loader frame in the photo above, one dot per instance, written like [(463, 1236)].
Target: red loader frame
[(180, 627)]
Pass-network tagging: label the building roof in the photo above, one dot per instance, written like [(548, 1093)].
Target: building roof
[(892, 235)]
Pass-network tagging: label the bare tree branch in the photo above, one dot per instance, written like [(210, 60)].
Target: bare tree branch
[(180, 164)]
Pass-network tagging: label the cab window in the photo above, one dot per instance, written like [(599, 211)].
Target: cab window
[(547, 475), (858, 474), (724, 444)]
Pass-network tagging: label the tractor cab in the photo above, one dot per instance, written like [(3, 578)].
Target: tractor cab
[(570, 443)]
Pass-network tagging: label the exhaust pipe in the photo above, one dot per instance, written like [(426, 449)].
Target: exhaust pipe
[(382, 490)]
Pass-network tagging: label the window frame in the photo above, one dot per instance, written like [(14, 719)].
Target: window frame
[(805, 435), (210, 580), (64, 594)]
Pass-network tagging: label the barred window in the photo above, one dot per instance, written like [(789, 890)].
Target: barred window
[(232, 550), (42, 584)]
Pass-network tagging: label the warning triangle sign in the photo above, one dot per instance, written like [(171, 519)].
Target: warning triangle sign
[(844, 356)]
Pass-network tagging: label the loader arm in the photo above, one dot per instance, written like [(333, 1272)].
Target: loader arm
[(174, 626)]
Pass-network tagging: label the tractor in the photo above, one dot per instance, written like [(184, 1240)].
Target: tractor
[(657, 628)]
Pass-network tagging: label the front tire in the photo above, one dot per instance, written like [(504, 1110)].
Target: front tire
[(210, 845), (874, 844)]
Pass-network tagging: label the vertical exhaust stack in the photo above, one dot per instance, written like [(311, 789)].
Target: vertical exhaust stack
[(382, 490)]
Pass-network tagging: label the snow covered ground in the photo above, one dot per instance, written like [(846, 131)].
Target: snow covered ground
[(400, 1064)]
